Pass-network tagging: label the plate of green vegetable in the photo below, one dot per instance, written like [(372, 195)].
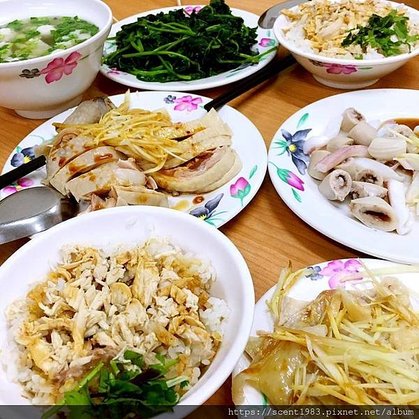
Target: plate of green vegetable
[(187, 48)]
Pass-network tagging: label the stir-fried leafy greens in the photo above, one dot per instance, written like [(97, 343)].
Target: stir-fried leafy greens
[(389, 35), (180, 46), (122, 387)]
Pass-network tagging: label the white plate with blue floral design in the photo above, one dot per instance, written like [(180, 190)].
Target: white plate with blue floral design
[(216, 207), (288, 170), (318, 278), (265, 43)]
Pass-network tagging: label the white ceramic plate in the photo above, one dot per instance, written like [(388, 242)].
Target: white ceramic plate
[(300, 192), (216, 207), (265, 41), (129, 226), (318, 278)]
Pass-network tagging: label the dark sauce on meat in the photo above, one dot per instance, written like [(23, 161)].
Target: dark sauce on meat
[(410, 122)]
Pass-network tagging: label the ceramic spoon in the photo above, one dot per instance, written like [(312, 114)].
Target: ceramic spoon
[(33, 210)]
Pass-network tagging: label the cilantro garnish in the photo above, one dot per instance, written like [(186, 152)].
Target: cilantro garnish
[(387, 34), (122, 387)]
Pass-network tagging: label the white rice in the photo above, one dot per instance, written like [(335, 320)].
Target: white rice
[(91, 293), (303, 28)]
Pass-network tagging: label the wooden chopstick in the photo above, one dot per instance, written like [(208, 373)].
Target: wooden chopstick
[(23, 170), (245, 85), (238, 88)]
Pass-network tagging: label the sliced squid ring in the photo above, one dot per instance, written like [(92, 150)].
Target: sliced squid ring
[(375, 213), (336, 185)]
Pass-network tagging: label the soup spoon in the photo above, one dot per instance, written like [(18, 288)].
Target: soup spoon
[(33, 210)]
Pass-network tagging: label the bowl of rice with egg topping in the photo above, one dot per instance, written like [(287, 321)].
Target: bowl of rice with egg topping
[(349, 44), (143, 304)]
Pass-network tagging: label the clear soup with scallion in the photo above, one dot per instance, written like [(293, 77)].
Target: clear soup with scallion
[(38, 36)]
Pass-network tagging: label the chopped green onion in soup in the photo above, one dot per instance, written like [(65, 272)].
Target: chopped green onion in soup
[(38, 36)]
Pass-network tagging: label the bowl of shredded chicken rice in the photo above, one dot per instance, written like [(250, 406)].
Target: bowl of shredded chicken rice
[(116, 303), (349, 44)]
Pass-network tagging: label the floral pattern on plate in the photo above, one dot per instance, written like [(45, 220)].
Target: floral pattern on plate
[(334, 271), (192, 9), (184, 103), (207, 211), (21, 183), (290, 179), (292, 146), (267, 42), (23, 153), (22, 156), (239, 189), (19, 157)]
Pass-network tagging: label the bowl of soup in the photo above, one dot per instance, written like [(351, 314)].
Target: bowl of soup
[(50, 53)]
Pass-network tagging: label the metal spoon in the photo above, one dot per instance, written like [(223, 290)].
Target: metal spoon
[(33, 210), (268, 17)]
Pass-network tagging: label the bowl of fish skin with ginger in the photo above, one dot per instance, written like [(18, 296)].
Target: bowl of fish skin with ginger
[(336, 334), (143, 312)]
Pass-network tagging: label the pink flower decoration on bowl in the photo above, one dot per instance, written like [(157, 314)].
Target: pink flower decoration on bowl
[(187, 103), (340, 69), (267, 42), (58, 67), (17, 186), (338, 269)]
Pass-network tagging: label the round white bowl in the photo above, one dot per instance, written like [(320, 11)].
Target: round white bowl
[(34, 93), (341, 73), (133, 225)]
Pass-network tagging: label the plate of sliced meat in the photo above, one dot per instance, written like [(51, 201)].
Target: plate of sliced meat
[(148, 148)]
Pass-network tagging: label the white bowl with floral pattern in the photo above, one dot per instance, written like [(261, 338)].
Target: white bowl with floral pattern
[(44, 86), (344, 73), (127, 227)]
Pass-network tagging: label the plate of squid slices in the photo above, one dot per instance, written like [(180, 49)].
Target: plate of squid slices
[(348, 166)]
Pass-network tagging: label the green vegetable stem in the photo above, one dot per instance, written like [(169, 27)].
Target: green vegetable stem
[(179, 46)]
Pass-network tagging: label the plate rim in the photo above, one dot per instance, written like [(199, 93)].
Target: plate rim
[(179, 85), (327, 230)]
